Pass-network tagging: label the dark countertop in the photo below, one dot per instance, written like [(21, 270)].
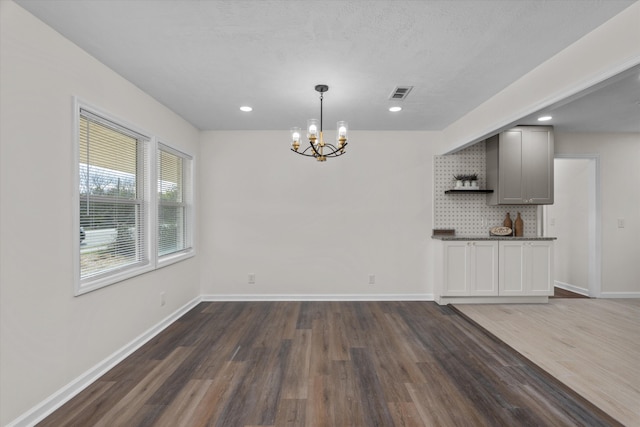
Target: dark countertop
[(491, 238)]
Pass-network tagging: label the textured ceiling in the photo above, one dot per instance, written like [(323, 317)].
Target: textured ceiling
[(204, 59)]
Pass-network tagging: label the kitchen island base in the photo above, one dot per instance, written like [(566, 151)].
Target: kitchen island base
[(494, 270)]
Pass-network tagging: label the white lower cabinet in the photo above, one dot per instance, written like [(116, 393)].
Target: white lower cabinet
[(471, 268), (494, 271), (526, 268)]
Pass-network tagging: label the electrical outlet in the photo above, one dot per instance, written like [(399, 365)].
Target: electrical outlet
[(372, 279), (163, 299), (252, 278)]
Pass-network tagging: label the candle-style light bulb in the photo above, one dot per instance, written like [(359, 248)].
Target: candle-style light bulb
[(295, 138), (313, 127), (341, 136)]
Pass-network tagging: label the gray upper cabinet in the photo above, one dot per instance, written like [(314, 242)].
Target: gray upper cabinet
[(520, 166)]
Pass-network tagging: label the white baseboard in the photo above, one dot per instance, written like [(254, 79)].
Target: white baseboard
[(536, 299), (66, 393), (319, 297), (620, 295), (571, 288)]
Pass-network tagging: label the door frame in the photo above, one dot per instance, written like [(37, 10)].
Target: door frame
[(594, 278)]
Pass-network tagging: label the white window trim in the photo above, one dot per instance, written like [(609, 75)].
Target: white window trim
[(165, 260), (151, 205)]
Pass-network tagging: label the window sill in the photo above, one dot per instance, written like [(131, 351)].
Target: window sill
[(111, 278), (176, 257), (132, 272)]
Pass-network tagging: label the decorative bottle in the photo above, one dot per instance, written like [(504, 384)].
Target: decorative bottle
[(507, 221), (519, 226)]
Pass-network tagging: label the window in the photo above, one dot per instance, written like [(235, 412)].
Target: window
[(134, 201), (174, 201), (112, 167)]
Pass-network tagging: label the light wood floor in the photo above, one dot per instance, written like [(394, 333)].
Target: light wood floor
[(315, 364), (591, 345)]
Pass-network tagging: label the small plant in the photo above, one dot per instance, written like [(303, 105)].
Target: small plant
[(460, 180), (464, 177), (466, 180)]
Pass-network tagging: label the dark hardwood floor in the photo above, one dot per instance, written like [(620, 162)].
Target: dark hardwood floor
[(563, 293), (326, 364)]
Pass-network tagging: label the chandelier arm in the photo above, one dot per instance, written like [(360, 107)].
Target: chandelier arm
[(313, 146), (332, 154), (303, 153), (335, 154), (334, 149)]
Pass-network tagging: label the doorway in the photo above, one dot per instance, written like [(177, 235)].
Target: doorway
[(574, 219)]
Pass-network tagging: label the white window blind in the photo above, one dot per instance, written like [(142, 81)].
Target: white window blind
[(112, 167), (174, 201)]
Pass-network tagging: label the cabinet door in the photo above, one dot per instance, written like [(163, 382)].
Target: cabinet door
[(526, 268), (470, 268), (484, 280), (520, 166), (456, 264), (540, 268), (537, 165), (510, 180), (511, 269)]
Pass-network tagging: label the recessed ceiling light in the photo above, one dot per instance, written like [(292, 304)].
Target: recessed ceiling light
[(246, 108), (544, 118), (395, 109)]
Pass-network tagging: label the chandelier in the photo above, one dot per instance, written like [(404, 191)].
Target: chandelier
[(318, 148)]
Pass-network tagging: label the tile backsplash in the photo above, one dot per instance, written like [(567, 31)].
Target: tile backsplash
[(465, 212)]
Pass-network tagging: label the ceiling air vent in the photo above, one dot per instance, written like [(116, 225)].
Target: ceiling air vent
[(400, 92)]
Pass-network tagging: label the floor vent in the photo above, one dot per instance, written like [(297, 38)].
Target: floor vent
[(400, 92)]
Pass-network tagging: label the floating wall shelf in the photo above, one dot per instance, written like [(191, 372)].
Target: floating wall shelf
[(467, 191)]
